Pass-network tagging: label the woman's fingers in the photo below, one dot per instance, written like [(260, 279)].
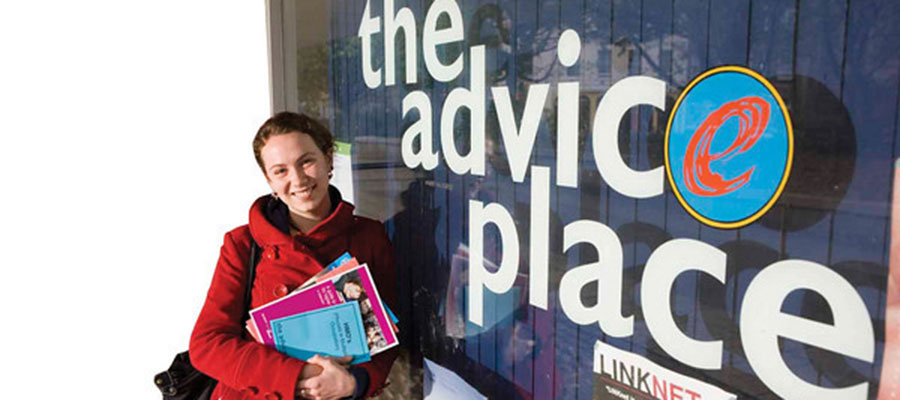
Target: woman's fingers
[(307, 393), (310, 388), (333, 383), (343, 361)]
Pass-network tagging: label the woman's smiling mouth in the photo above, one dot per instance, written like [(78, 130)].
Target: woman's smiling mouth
[(304, 191)]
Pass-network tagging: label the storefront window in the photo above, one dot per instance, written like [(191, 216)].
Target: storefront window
[(668, 199)]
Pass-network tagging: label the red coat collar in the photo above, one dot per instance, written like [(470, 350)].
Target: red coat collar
[(267, 234)]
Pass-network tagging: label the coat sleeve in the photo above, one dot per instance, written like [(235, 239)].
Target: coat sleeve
[(385, 276), (217, 346)]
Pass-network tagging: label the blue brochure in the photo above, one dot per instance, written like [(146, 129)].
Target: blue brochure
[(338, 261), (334, 331), (391, 314)]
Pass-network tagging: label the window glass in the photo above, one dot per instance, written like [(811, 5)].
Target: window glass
[(699, 192)]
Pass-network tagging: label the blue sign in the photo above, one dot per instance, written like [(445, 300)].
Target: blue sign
[(729, 147)]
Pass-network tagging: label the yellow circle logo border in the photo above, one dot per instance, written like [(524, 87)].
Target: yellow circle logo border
[(790, 154)]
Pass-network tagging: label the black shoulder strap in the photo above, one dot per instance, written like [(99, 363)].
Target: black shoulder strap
[(251, 275)]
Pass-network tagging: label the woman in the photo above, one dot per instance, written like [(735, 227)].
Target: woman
[(302, 226)]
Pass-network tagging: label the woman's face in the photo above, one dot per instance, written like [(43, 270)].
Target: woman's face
[(297, 172), (352, 290), (365, 308)]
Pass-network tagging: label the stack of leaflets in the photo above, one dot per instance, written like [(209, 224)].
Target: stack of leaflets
[(338, 312)]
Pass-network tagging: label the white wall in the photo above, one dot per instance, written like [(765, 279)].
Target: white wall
[(125, 157)]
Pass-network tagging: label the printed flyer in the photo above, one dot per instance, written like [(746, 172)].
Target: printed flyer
[(313, 298), (334, 331), (343, 171), (620, 375)]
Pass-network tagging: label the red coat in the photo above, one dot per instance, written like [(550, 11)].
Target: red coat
[(249, 370)]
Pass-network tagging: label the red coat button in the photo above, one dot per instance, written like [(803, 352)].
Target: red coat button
[(270, 253), (280, 291)]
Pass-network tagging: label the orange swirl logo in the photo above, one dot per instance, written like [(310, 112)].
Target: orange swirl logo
[(729, 147)]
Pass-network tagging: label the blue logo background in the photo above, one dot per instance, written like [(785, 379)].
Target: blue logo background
[(770, 153)]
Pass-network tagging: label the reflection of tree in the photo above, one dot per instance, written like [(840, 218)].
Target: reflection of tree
[(313, 92), (312, 87)]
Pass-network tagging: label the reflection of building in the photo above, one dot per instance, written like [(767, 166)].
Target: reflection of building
[(667, 57)]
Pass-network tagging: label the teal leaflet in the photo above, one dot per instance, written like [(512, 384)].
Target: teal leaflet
[(334, 331)]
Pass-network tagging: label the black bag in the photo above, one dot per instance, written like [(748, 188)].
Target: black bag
[(184, 382)]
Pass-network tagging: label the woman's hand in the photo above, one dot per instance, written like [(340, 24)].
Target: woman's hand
[(334, 382), (343, 361)]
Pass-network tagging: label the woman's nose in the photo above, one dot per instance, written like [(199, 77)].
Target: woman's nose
[(297, 175)]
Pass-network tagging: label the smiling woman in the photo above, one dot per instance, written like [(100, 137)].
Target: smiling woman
[(301, 226), (295, 154)]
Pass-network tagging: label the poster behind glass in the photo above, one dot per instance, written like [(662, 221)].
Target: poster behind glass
[(662, 199)]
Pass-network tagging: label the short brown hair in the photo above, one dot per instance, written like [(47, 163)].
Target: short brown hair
[(287, 122)]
